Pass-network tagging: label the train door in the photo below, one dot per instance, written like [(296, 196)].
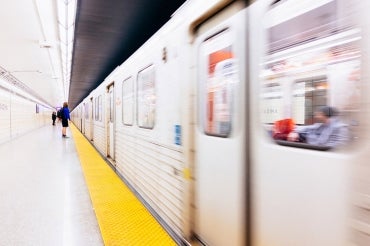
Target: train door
[(110, 130), (83, 120), (81, 117), (304, 57), (220, 158), (91, 119)]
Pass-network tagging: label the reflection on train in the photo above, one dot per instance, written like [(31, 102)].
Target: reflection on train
[(189, 122)]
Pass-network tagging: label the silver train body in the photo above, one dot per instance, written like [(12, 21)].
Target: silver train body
[(186, 122)]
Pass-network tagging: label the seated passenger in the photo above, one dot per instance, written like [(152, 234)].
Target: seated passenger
[(329, 132)]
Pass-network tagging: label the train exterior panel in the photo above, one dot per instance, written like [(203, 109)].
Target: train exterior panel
[(189, 122), (147, 151)]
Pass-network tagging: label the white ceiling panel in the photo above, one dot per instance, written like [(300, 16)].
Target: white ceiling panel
[(27, 25), (105, 37)]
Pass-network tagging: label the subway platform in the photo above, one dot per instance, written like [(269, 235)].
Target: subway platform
[(60, 191)]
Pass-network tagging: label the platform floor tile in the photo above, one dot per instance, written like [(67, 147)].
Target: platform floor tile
[(122, 218)]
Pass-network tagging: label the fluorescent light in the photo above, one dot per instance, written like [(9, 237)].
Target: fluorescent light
[(66, 21)]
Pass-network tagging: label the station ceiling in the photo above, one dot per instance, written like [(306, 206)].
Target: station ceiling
[(107, 33)]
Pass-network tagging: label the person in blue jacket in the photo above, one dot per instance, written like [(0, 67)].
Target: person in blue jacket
[(65, 118)]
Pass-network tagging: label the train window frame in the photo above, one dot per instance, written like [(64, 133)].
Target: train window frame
[(303, 145), (330, 51), (145, 95), (127, 121), (217, 79), (98, 108)]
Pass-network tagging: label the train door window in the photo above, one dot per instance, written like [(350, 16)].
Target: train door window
[(128, 101), (314, 48), (146, 98), (111, 105), (308, 96), (218, 78), (98, 108)]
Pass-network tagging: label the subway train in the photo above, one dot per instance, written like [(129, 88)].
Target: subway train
[(188, 120)]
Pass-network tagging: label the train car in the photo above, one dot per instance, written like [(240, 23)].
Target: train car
[(188, 122)]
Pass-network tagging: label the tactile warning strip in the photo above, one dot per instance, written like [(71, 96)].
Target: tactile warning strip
[(122, 219)]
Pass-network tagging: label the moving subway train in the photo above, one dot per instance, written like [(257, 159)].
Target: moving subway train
[(188, 122)]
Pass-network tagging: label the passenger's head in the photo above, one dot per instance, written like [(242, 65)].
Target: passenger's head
[(324, 113), (65, 104)]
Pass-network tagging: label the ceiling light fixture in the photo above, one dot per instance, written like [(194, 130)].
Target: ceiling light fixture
[(66, 24), (46, 12)]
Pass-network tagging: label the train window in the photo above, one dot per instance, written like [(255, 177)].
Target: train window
[(218, 78), (128, 101), (146, 98), (98, 108)]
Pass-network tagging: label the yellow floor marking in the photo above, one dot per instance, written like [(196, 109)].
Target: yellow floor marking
[(122, 219)]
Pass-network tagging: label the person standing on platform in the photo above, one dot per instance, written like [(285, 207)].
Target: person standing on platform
[(53, 117), (65, 118)]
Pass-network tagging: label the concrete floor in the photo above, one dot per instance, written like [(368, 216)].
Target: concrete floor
[(43, 196)]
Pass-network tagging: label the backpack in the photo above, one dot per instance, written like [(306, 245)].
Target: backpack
[(59, 113)]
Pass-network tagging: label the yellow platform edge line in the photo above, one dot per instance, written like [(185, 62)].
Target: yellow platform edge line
[(122, 218)]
